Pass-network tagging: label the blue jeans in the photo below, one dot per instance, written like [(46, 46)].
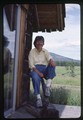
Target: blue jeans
[(48, 72)]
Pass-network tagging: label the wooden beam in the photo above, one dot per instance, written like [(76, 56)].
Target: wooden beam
[(37, 16), (48, 21), (26, 6), (60, 17), (48, 25), (46, 7), (47, 14), (21, 56)]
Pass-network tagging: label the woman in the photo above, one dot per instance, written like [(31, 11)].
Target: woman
[(42, 66)]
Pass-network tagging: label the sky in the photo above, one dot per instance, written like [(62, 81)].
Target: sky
[(65, 43)]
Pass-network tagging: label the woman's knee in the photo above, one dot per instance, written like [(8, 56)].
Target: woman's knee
[(50, 72), (51, 68)]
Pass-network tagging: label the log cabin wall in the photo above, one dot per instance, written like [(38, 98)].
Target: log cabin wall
[(28, 46)]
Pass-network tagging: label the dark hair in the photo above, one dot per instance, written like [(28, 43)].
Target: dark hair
[(38, 38)]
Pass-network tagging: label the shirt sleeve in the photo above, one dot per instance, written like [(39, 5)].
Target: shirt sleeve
[(48, 56), (31, 62)]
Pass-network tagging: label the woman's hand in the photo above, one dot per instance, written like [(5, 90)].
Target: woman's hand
[(38, 72), (41, 75), (52, 62)]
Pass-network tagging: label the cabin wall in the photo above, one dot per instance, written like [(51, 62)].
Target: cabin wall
[(28, 46)]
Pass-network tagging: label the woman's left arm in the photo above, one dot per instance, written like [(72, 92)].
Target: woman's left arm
[(50, 59), (52, 62)]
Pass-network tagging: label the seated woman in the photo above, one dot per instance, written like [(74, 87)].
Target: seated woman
[(42, 66)]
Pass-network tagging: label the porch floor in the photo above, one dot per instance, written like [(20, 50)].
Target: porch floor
[(65, 111)]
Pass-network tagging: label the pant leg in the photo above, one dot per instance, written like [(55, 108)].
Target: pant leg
[(36, 82), (50, 72)]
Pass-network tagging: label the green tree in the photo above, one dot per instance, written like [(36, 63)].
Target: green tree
[(67, 66), (72, 68)]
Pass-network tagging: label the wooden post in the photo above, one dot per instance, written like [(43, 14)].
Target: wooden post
[(21, 54)]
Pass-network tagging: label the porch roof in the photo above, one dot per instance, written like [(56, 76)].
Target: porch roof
[(50, 17), (46, 17)]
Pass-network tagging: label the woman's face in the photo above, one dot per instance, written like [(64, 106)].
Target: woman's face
[(39, 44)]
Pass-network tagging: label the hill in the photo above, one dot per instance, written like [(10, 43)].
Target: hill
[(60, 58)]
